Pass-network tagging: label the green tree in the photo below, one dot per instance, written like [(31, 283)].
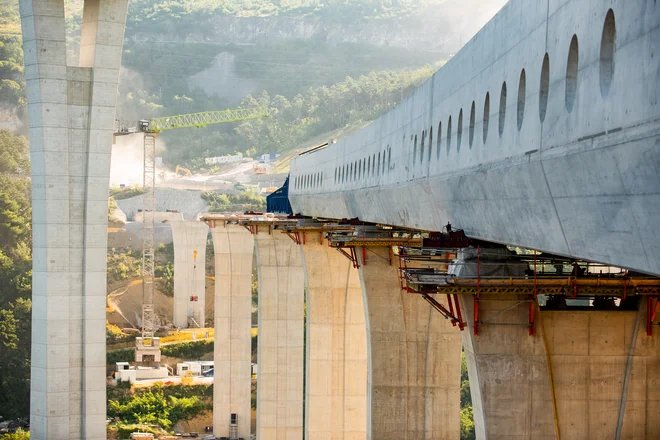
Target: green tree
[(166, 280), (153, 406), (467, 416), (18, 435), (15, 276), (467, 423)]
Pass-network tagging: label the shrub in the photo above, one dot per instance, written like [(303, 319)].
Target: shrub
[(188, 350)]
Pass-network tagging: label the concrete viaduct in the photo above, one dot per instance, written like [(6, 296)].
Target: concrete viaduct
[(542, 133)]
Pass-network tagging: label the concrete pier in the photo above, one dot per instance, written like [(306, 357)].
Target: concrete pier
[(336, 392), (603, 370), (281, 336), (70, 114), (189, 239), (234, 249), (585, 373), (414, 358)]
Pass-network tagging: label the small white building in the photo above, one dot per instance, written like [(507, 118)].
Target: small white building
[(194, 367), (141, 373), (223, 159)]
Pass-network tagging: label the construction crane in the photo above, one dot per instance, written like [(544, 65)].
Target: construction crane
[(147, 351)]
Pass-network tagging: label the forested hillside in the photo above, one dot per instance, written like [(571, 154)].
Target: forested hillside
[(15, 276), (319, 65)]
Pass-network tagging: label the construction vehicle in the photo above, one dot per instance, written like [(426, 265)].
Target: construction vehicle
[(147, 350), (259, 169), (185, 171)]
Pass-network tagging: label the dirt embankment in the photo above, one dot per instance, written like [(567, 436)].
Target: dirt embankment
[(124, 304)]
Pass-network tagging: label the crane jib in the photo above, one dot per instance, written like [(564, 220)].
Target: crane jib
[(203, 119)]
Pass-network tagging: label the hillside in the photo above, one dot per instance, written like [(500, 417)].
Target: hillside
[(319, 65)]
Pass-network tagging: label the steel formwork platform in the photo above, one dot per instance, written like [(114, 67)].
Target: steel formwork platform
[(432, 254)]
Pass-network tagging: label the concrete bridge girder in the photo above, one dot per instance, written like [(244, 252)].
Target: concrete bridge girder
[(559, 159), (70, 119)]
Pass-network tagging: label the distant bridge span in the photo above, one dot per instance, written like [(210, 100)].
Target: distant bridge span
[(542, 132)]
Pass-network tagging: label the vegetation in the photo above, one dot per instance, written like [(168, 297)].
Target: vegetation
[(122, 355), (188, 350), (126, 192), (123, 264), (299, 119), (12, 84), (247, 200), (114, 335), (467, 423), (467, 416), (177, 11), (303, 105), (15, 276), (156, 407), (166, 279), (18, 435)]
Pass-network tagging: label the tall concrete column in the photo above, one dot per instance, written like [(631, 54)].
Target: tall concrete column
[(234, 248), (336, 390), (414, 358), (281, 336), (509, 378), (189, 239), (71, 116), (584, 374)]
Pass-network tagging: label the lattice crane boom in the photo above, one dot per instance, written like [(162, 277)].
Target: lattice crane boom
[(203, 119)]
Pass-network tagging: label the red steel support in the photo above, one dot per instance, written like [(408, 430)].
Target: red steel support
[(352, 256), (364, 255), (448, 314), (651, 313), (476, 297), (461, 324), (451, 308), (532, 303), (295, 236)]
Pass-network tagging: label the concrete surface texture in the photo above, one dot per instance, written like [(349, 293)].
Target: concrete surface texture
[(70, 114), (584, 374), (541, 132), (336, 390), (414, 358), (280, 356), (234, 249), (189, 239), (509, 378)]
